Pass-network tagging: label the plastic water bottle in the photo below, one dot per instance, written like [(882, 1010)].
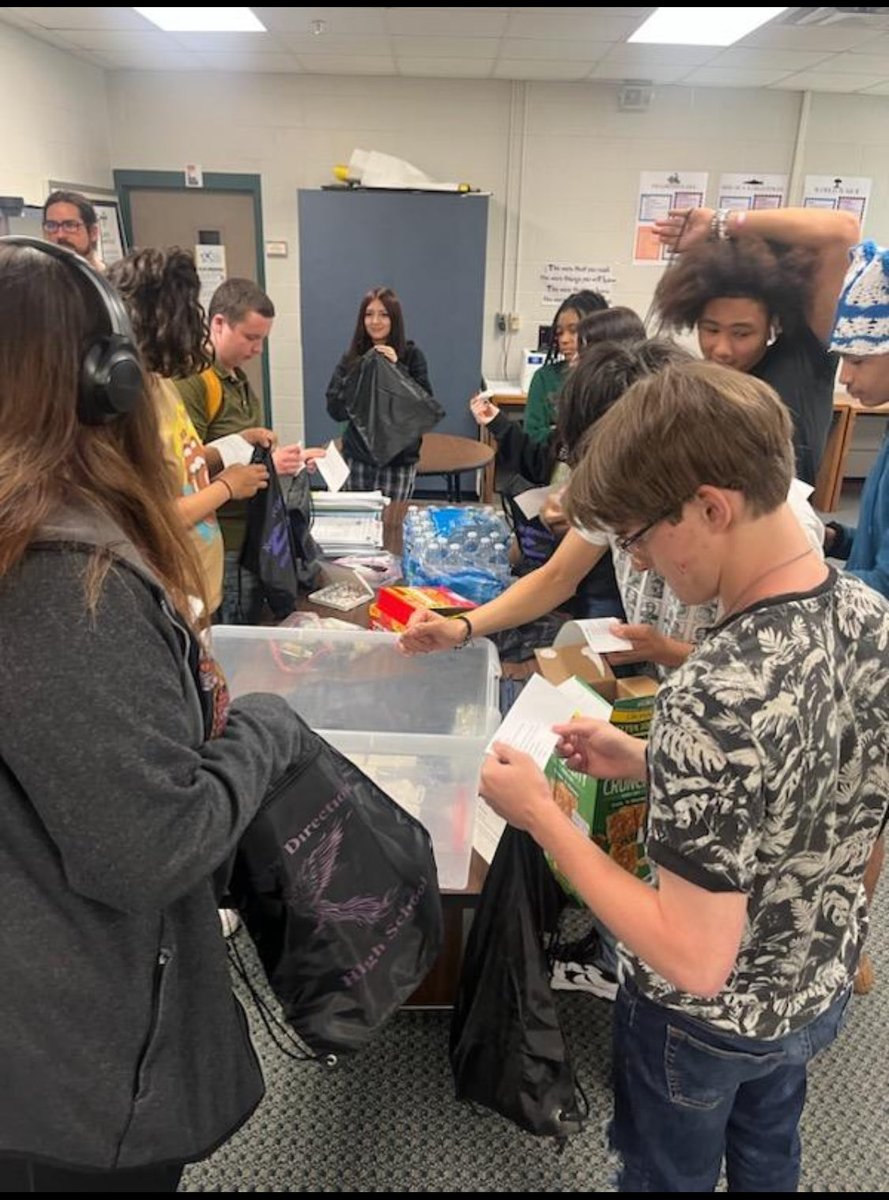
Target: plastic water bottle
[(500, 561)]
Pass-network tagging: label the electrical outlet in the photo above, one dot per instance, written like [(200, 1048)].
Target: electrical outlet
[(500, 321), (515, 322)]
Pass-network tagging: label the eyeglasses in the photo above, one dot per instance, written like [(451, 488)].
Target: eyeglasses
[(633, 539), (64, 226)]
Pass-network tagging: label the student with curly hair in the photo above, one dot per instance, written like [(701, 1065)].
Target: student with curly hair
[(160, 290), (760, 288)]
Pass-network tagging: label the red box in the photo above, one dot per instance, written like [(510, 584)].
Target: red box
[(395, 605)]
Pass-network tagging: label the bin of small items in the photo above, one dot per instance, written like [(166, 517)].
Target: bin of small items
[(418, 725)]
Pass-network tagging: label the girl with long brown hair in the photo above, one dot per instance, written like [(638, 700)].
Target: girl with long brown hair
[(123, 786)]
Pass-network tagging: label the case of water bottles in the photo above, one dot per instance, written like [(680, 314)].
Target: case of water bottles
[(465, 548), (417, 725)]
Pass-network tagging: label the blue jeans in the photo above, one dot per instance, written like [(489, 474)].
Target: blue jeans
[(242, 594), (685, 1095)]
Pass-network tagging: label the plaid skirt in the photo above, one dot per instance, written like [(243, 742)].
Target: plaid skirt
[(395, 482)]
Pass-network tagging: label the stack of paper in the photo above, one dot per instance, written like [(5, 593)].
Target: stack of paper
[(348, 522)]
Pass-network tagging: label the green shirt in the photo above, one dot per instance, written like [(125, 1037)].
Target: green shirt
[(241, 409), (539, 413)]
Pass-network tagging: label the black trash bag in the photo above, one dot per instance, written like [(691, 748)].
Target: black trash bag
[(337, 886), (278, 547), (507, 1049), (389, 409)]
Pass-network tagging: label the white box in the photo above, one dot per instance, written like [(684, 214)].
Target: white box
[(418, 725)]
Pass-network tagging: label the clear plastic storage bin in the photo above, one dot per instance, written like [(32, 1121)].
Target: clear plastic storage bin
[(416, 725)]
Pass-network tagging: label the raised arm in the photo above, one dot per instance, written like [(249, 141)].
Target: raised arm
[(829, 234)]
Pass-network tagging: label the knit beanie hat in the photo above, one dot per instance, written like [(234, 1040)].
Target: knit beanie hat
[(861, 326)]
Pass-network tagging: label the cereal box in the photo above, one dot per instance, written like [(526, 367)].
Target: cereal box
[(612, 811)]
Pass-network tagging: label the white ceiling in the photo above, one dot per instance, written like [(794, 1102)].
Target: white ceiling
[(835, 52)]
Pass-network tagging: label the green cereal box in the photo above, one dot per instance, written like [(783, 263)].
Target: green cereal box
[(611, 811)]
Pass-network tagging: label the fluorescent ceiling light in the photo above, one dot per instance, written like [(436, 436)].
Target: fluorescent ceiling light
[(701, 26), (204, 20)]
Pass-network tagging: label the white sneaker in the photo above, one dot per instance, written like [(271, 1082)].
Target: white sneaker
[(230, 921), (583, 977)]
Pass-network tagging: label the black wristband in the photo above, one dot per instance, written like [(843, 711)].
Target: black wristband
[(467, 638)]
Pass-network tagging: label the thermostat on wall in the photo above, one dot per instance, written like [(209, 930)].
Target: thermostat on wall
[(276, 249)]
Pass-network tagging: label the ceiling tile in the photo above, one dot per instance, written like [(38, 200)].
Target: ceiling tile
[(222, 43), (544, 48), (729, 77), (824, 81), (607, 69), (82, 18), (838, 36), (639, 58), (876, 44), (338, 20), (322, 64), (594, 23), (858, 64), (515, 68), (445, 47), (769, 60), (445, 68), (116, 41), (338, 44), (444, 22)]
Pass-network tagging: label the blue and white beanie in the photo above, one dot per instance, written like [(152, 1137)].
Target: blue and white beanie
[(862, 321)]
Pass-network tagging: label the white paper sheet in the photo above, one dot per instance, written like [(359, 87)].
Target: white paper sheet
[(528, 724), (595, 632), (333, 468), (487, 830), (528, 727), (233, 449), (532, 501)]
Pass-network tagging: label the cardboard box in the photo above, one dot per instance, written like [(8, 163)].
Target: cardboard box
[(558, 663), (395, 605), (611, 811)]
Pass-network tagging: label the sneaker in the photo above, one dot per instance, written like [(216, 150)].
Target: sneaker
[(577, 968), (230, 921), (583, 977)]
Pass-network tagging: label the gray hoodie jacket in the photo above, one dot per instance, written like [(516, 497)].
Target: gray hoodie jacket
[(121, 1044)]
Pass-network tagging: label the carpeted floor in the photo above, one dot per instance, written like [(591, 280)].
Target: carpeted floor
[(386, 1121)]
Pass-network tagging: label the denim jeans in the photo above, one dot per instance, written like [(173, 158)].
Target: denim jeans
[(242, 594), (685, 1095)]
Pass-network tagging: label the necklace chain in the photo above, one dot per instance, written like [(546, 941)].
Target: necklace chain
[(734, 606)]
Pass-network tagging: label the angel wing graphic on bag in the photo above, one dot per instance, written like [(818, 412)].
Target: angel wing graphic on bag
[(307, 888)]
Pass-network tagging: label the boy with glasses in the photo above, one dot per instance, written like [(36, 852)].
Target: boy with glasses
[(70, 220), (766, 770)]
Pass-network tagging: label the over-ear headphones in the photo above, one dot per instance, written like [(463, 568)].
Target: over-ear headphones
[(111, 378)]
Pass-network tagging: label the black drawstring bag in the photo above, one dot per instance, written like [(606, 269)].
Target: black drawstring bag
[(278, 547), (337, 886), (507, 1049), (389, 409), (298, 500)]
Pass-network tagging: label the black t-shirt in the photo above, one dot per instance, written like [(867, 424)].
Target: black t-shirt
[(802, 372)]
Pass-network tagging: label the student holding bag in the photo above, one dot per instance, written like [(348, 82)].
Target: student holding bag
[(379, 328), (126, 779)]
